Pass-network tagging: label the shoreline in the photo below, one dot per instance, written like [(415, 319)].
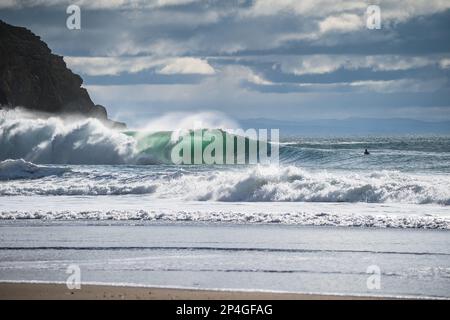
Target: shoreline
[(59, 291), (276, 262)]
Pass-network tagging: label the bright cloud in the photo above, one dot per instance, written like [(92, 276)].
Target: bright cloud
[(187, 66), (391, 10), (98, 66), (320, 64), (402, 85), (445, 63), (342, 23)]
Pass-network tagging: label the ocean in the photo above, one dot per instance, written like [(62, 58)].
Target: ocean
[(112, 203)]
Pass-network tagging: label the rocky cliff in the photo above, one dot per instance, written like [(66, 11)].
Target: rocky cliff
[(34, 78)]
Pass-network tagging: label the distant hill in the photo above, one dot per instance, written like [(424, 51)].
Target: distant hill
[(34, 78), (350, 126)]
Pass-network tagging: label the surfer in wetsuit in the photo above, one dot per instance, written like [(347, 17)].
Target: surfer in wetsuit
[(366, 152)]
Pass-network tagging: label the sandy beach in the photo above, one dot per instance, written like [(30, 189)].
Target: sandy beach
[(51, 291)]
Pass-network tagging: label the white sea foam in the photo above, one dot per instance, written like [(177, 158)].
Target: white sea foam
[(21, 169), (57, 140), (248, 184), (230, 216), (295, 184)]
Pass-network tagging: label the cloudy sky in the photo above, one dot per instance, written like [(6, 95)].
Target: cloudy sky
[(276, 59)]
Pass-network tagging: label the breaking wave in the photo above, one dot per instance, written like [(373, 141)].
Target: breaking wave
[(248, 184), (87, 141), (295, 184), (56, 140)]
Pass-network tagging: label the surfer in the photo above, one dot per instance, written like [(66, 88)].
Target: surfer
[(366, 152)]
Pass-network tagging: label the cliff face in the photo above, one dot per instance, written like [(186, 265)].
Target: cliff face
[(34, 78)]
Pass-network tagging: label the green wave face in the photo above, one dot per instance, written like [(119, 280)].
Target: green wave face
[(157, 147)]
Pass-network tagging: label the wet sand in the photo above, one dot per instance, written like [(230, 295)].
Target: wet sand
[(50, 291)]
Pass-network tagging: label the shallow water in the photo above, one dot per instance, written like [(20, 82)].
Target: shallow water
[(229, 256)]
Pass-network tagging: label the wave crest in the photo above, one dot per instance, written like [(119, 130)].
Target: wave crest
[(295, 184), (239, 184), (62, 141)]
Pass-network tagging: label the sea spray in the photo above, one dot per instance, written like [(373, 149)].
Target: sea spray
[(62, 141), (240, 184)]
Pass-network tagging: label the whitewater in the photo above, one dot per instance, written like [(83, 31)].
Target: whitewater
[(82, 161)]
